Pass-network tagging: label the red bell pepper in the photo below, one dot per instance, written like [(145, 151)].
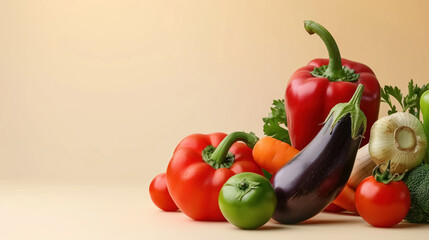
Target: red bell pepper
[(316, 88), (200, 166)]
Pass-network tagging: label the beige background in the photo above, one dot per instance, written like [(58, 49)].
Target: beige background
[(99, 92)]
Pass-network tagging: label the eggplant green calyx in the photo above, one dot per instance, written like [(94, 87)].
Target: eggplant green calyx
[(244, 187), (386, 177), (334, 71), (220, 157), (358, 118)]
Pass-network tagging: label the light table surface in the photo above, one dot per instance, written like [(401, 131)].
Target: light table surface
[(101, 211)]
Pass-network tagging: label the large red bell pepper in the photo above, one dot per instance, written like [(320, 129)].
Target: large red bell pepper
[(314, 89), (200, 166)]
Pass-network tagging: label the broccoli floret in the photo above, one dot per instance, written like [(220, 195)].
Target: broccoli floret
[(417, 181), (416, 215)]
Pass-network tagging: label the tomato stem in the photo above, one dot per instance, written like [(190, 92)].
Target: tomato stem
[(244, 187), (386, 176)]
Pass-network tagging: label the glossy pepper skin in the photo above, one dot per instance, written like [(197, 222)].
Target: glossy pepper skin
[(424, 107), (317, 87), (200, 166)]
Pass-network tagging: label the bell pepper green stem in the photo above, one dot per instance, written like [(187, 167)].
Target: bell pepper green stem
[(334, 70), (219, 155)]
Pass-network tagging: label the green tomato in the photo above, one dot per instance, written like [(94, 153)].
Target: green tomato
[(247, 200)]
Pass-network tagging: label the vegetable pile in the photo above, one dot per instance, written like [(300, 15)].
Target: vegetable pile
[(324, 149)]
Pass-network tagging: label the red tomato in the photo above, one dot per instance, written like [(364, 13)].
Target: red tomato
[(382, 205), (159, 193)]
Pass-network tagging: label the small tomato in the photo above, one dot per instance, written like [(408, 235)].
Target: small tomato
[(247, 200), (159, 193), (382, 204)]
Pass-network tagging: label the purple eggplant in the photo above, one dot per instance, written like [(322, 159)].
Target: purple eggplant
[(316, 176)]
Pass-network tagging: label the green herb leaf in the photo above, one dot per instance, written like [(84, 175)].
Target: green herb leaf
[(385, 97), (410, 103), (392, 111), (412, 100), (275, 125)]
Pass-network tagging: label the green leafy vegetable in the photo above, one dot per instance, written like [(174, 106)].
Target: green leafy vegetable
[(410, 103), (275, 125), (417, 181)]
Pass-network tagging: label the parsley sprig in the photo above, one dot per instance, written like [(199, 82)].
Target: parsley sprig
[(275, 125), (410, 103)]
